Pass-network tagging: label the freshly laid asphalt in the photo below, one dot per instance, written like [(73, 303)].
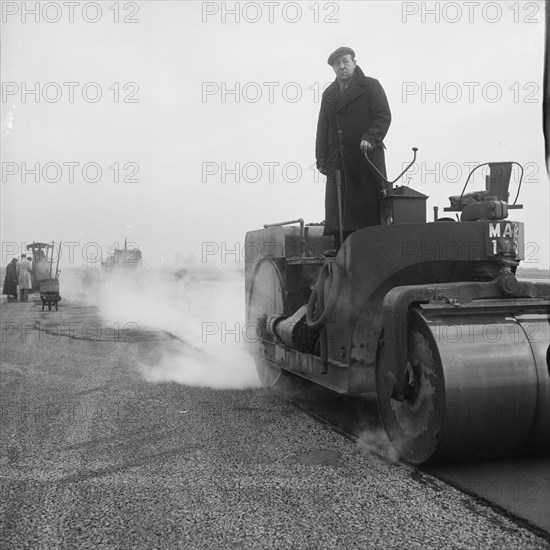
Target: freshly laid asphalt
[(94, 456)]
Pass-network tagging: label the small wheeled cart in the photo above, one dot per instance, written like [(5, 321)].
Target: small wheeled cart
[(49, 293)]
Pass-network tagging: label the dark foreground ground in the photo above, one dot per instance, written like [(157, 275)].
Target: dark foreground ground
[(93, 456)]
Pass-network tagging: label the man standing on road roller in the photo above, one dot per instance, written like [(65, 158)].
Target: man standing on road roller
[(353, 120)]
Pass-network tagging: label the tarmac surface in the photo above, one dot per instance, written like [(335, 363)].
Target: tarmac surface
[(95, 456)]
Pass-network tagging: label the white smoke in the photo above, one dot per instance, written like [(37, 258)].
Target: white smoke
[(204, 365), (376, 441), (203, 322)]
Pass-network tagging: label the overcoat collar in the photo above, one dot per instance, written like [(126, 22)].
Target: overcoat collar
[(356, 88)]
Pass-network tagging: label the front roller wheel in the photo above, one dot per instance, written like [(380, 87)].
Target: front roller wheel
[(414, 425), (474, 388)]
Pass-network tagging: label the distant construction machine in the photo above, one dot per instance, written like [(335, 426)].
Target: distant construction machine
[(123, 258)]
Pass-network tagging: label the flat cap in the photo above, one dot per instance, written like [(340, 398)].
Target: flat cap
[(343, 50)]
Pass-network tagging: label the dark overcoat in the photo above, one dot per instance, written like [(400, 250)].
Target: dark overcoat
[(362, 113), (10, 280)]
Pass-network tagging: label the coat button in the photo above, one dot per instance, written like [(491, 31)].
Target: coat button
[(340, 131)]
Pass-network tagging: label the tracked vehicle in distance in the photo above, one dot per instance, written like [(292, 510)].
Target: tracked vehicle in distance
[(127, 258), (429, 316)]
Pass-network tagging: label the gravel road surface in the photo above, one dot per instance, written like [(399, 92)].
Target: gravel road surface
[(94, 456)]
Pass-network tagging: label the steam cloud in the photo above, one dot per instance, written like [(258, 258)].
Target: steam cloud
[(376, 441), (205, 317)]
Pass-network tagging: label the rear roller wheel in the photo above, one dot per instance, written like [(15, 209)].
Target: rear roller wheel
[(266, 298), (476, 388), (269, 374)]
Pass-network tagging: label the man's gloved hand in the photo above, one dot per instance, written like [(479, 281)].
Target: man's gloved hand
[(322, 169), (366, 146)]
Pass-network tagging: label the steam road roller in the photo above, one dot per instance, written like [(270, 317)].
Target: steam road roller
[(429, 316)]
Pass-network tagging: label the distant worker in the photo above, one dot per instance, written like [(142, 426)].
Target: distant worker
[(24, 277), (354, 118), (10, 281), (29, 266)]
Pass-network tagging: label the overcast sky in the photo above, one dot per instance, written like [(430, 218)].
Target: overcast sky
[(174, 97)]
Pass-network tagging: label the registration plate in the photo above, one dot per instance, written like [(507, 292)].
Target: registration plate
[(504, 239)]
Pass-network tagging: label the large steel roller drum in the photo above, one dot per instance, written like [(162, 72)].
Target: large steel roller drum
[(482, 387)]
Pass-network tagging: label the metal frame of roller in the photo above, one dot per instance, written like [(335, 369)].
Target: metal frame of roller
[(429, 315)]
